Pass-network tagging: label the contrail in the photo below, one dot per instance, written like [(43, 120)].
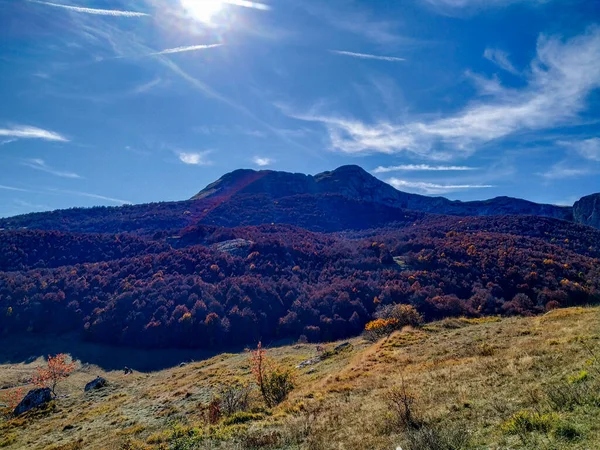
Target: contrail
[(367, 56), (189, 48), (99, 12)]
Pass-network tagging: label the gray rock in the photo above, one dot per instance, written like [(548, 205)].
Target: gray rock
[(309, 362), (34, 399), (587, 210), (235, 247), (341, 347), (98, 383)]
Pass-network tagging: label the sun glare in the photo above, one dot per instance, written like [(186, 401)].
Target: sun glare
[(202, 10)]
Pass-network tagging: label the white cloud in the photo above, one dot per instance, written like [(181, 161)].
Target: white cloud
[(368, 56), (248, 4), (194, 158), (561, 171), (26, 132), (262, 162), (40, 164), (421, 167), (500, 58), (189, 48), (101, 12), (433, 188), (559, 80), (588, 148)]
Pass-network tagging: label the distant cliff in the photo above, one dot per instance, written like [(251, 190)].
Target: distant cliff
[(587, 210)]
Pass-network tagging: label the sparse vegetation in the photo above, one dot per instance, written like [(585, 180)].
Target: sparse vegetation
[(274, 381), (430, 388), (58, 368)]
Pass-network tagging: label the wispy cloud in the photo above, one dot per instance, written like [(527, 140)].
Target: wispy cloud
[(189, 48), (262, 162), (588, 148), (194, 158), (7, 141), (100, 12), (355, 20), (145, 87), (562, 170), (368, 56), (12, 188), (26, 132), (433, 188), (248, 4), (40, 164), (421, 167), (558, 83), (500, 58), (89, 195)]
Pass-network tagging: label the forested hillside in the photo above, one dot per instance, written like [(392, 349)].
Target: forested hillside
[(207, 287)]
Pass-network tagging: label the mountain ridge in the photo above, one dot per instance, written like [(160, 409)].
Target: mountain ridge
[(354, 182), (345, 198)]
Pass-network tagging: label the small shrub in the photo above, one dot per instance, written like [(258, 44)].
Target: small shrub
[(402, 405), (261, 439), (275, 383), (565, 396), (234, 398), (528, 421), (379, 328), (10, 399), (567, 432), (214, 411), (404, 314), (242, 417), (438, 437), (278, 384), (486, 349), (579, 378)]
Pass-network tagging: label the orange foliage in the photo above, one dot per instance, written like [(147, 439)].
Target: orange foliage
[(12, 398), (58, 369), (381, 324)]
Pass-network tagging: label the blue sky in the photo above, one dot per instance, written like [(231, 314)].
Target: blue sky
[(112, 102)]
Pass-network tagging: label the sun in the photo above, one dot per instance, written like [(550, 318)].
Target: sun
[(202, 10)]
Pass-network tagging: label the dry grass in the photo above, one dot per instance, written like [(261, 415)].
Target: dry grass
[(488, 380)]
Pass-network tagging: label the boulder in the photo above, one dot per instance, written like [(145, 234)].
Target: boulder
[(34, 399), (341, 347), (235, 247), (98, 383), (309, 362)]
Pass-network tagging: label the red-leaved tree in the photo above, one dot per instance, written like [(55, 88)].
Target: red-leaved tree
[(58, 369)]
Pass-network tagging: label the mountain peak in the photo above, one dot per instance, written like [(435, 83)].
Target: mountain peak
[(356, 184)]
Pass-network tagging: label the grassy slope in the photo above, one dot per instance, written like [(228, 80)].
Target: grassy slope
[(470, 378)]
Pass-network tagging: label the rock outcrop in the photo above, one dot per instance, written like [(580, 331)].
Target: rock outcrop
[(34, 399), (97, 383), (587, 210)]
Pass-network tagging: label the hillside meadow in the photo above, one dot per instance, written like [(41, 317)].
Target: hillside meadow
[(497, 383)]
